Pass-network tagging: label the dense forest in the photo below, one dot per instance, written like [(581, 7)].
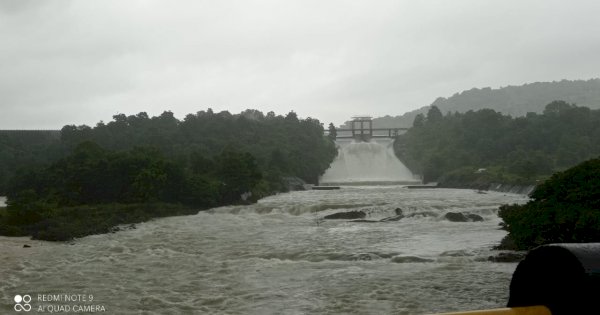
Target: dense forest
[(515, 101), (205, 160), (563, 209), (26, 148), (486, 146)]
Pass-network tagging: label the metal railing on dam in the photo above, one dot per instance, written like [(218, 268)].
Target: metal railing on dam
[(554, 279)]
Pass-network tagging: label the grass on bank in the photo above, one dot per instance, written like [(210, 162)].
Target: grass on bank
[(67, 223)]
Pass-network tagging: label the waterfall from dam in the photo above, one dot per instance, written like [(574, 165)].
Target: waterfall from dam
[(371, 162)]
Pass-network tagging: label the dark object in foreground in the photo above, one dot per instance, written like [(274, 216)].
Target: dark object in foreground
[(563, 277), (556, 279)]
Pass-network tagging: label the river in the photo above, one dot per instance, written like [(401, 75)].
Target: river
[(279, 257)]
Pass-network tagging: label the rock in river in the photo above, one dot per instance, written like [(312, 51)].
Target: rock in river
[(410, 259), (350, 215), (474, 217), (460, 217)]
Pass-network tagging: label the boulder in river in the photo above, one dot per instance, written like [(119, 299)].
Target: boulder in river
[(410, 259), (474, 217), (461, 217), (456, 217), (350, 215)]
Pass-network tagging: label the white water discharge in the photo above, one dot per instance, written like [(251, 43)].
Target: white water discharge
[(280, 257), (367, 162)]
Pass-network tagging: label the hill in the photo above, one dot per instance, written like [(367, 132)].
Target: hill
[(515, 101)]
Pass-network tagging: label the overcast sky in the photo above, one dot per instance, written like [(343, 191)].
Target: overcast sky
[(79, 62)]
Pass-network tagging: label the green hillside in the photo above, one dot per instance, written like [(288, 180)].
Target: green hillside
[(510, 100)]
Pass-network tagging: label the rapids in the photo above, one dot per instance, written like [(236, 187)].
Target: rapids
[(280, 257)]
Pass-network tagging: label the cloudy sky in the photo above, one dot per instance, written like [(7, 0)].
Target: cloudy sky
[(79, 62)]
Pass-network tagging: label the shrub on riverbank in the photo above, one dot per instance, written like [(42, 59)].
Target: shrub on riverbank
[(565, 208), (66, 223)]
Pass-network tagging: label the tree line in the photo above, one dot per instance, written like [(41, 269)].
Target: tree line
[(452, 148), (205, 160)]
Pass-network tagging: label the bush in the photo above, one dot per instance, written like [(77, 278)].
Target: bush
[(565, 208)]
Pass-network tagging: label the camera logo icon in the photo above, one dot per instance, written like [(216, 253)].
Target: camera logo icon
[(25, 306)]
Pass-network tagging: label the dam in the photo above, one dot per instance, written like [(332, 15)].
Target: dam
[(367, 163), (366, 157)]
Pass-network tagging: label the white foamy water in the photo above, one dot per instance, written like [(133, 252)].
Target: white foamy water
[(279, 257), (2, 201), (371, 162)]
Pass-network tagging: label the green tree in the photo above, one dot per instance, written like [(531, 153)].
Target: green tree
[(419, 121), (238, 173), (557, 107), (332, 132), (434, 114)]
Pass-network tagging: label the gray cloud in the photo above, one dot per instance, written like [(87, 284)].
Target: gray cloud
[(80, 62)]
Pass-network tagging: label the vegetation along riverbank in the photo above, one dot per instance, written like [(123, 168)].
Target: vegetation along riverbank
[(138, 167), (478, 148), (563, 209)]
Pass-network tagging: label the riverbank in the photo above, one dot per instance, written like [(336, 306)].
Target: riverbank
[(492, 180), (499, 187), (67, 223)]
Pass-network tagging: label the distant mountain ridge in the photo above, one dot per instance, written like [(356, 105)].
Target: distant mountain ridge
[(510, 100)]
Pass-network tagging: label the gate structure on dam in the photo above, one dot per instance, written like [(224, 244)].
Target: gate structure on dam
[(361, 129)]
